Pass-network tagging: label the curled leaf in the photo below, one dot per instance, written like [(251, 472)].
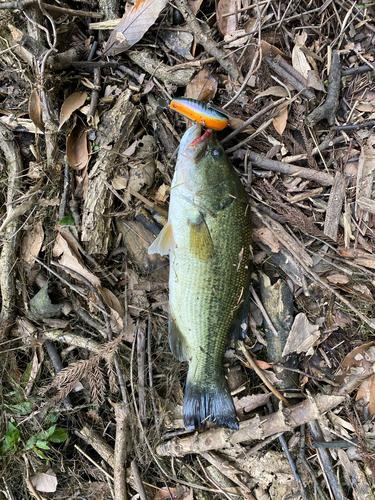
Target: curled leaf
[(71, 104), (76, 147), (35, 111)]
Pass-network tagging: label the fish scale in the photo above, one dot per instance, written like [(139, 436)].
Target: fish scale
[(208, 286)]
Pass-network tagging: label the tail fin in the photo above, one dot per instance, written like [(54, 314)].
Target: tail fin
[(208, 402)]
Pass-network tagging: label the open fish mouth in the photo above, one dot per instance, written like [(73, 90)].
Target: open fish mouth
[(199, 140)]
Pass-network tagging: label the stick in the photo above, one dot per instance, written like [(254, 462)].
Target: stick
[(328, 109), (256, 428)]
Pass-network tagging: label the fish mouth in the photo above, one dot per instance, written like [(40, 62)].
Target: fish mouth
[(198, 140)]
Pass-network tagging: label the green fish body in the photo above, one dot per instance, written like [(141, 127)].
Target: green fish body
[(208, 239)]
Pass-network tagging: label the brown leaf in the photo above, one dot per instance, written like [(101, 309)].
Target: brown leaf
[(359, 360), (338, 278), (194, 5), (279, 121), (111, 300), (71, 104), (162, 193), (68, 256), (227, 25), (272, 51), (32, 242), (134, 25), (35, 111), (366, 392), (203, 86), (36, 363), (302, 335), (179, 493), (77, 152)]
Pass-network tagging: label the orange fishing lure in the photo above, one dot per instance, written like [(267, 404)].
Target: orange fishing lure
[(199, 112)]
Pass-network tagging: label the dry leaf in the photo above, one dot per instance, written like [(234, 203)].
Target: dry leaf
[(272, 51), (162, 193), (194, 5), (112, 301), (179, 493), (180, 42), (276, 91), (35, 111), (203, 86), (366, 392), (359, 361), (35, 367), (302, 335), (299, 60), (71, 104), (77, 152), (134, 25), (32, 242), (227, 25), (279, 121), (46, 481), (131, 149), (338, 278), (68, 256)]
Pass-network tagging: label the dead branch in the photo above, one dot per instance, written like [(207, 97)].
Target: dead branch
[(254, 429), (8, 257), (328, 109), (289, 78), (204, 38), (285, 168), (335, 201), (121, 445)]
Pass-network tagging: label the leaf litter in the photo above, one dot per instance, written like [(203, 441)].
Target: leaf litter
[(90, 338)]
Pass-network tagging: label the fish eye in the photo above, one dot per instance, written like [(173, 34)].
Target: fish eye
[(216, 153)]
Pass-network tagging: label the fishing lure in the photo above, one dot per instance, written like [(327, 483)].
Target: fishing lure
[(199, 112)]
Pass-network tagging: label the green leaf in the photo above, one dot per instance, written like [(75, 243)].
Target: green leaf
[(59, 436), (13, 436), (68, 220), (31, 442), (42, 444), (50, 431), (21, 409), (52, 418), (40, 453), (4, 447)]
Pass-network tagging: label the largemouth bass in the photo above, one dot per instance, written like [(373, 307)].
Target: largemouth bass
[(208, 239)]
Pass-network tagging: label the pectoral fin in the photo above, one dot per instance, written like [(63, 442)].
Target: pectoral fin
[(164, 242), (201, 244)]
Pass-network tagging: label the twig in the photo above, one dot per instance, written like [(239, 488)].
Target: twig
[(138, 481), (204, 38), (58, 366), (357, 71), (252, 119), (325, 462), (289, 78), (328, 109), (290, 459), (122, 437), (141, 361), (93, 462), (277, 166), (260, 373), (150, 377), (356, 126), (306, 463)]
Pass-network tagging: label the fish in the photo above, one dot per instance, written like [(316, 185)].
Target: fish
[(207, 238), (200, 112)]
